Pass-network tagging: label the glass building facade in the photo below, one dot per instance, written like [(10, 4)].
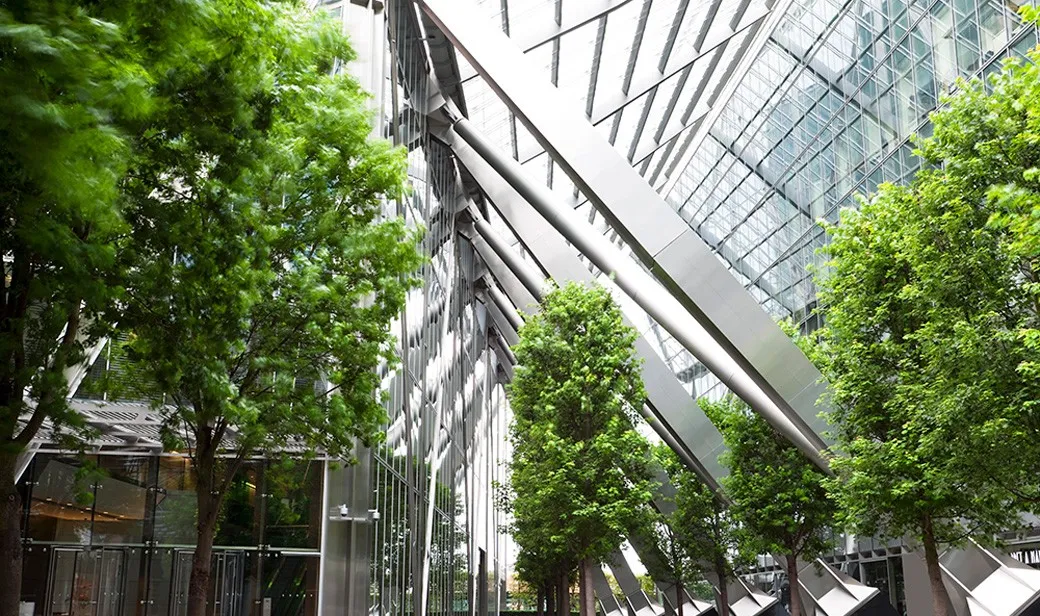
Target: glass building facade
[(826, 113), (748, 119), (112, 534)]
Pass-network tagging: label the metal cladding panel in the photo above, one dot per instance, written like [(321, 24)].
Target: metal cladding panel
[(608, 602), (653, 230), (637, 600), (665, 395), (778, 364), (674, 405)]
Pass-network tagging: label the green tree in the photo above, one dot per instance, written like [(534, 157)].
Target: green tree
[(708, 536), (777, 494), (579, 466), (261, 282), (74, 78), (931, 307), (904, 471), (647, 584), (537, 505), (671, 563)]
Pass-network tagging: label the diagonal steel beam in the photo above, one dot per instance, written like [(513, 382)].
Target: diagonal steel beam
[(644, 83), (673, 33), (769, 371), (607, 108), (637, 44)]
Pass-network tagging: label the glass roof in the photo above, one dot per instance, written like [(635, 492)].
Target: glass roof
[(643, 71), (828, 94)]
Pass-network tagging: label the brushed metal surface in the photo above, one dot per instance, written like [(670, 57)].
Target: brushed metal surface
[(670, 402), (605, 595), (655, 232), (515, 195)]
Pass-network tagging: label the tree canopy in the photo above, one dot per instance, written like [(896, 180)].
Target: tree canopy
[(777, 494), (196, 173), (580, 476), (75, 80), (261, 276), (930, 300)]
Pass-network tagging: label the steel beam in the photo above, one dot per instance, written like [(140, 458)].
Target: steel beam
[(825, 587), (772, 374), (605, 594), (644, 83), (607, 106), (676, 415), (640, 286), (636, 599), (676, 600), (591, 10)]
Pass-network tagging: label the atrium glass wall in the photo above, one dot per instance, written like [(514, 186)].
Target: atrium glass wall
[(826, 112), (113, 535), (438, 544)]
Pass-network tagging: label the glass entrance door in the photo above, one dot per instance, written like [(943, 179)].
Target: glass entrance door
[(86, 582), (226, 580)]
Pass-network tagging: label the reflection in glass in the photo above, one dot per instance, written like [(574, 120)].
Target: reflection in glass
[(293, 516), (237, 524), (122, 491), (61, 507), (290, 583), (175, 502)]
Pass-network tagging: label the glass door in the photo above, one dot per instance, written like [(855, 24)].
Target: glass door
[(226, 579), (179, 588), (110, 582), (86, 582), (228, 570)]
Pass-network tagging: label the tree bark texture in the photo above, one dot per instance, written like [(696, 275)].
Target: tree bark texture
[(550, 599), (10, 538), (796, 594), (563, 595), (539, 601), (209, 491), (940, 599), (202, 559), (723, 598), (586, 594)]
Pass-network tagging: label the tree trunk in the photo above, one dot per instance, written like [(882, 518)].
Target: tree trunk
[(550, 599), (723, 574), (586, 595), (678, 598), (563, 595), (209, 495), (539, 601), (10, 538), (202, 560), (931, 559), (723, 596), (792, 578)]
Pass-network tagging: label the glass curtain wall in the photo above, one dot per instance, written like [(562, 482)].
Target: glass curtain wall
[(437, 538), (114, 534), (825, 113)]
